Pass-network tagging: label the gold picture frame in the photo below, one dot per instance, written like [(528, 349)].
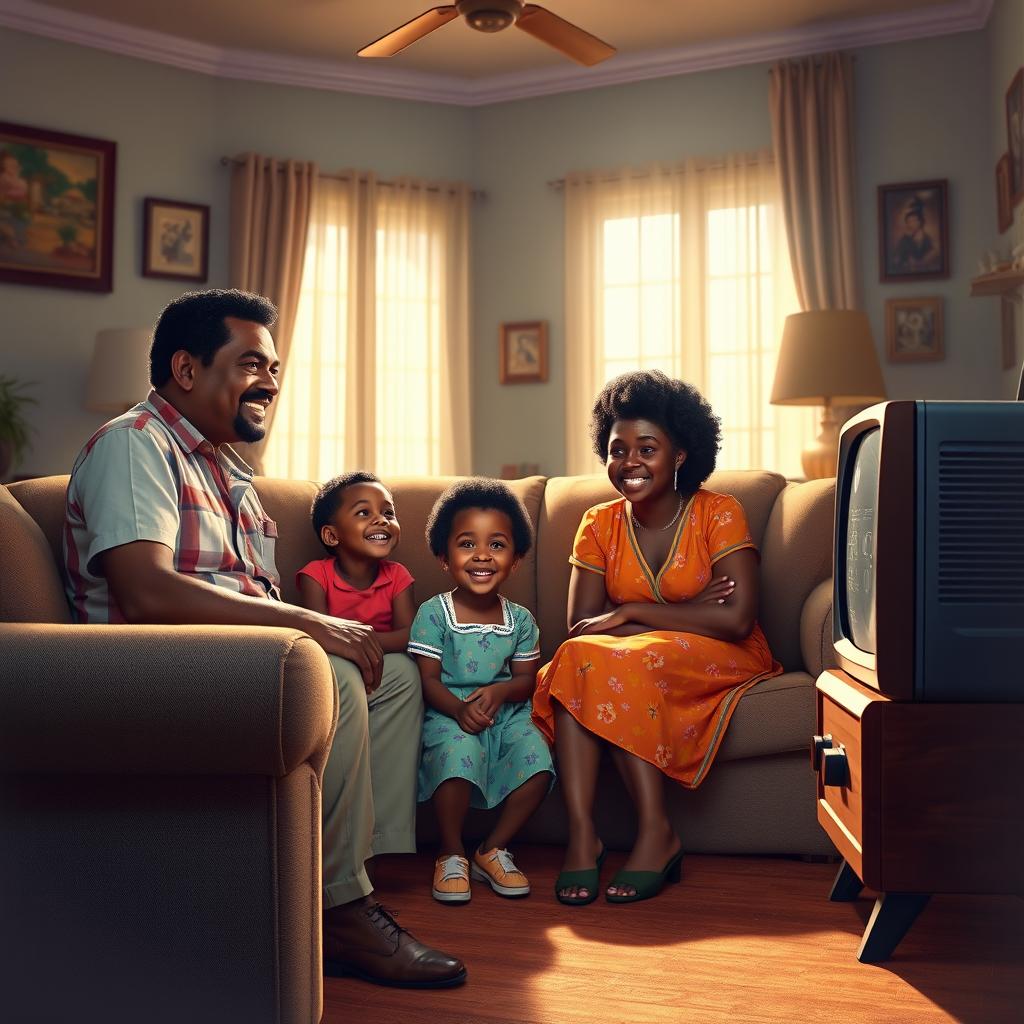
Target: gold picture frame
[(175, 240), (914, 330), (523, 352)]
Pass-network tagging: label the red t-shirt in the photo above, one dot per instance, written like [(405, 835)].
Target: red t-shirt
[(371, 606)]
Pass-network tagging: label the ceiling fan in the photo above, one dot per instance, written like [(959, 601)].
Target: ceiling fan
[(493, 16)]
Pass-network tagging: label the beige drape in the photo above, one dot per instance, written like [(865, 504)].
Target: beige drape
[(270, 207), (379, 376), (811, 103), (683, 269)]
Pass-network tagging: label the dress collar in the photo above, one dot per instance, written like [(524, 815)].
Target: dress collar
[(501, 629)]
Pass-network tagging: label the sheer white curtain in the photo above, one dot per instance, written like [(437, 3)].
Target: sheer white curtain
[(683, 269), (379, 371)]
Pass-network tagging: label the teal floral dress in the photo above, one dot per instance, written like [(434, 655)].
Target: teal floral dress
[(506, 754)]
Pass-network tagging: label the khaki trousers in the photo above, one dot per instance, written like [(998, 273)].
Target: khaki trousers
[(369, 787)]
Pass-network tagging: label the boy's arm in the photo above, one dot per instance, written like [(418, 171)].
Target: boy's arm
[(312, 595), (403, 611)]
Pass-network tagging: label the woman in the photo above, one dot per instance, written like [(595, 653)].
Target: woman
[(663, 637)]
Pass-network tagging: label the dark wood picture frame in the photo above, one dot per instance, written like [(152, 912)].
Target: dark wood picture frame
[(56, 208), (523, 352), (914, 330), (1004, 194), (1015, 135), (175, 240), (913, 231)]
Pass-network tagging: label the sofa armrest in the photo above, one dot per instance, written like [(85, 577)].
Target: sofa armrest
[(816, 630), (167, 700)]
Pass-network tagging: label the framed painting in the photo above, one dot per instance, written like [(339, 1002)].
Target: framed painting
[(1004, 194), (175, 240), (913, 233), (913, 330), (523, 357), (56, 208), (1015, 135)]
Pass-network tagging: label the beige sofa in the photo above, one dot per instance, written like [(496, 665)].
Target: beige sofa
[(159, 785)]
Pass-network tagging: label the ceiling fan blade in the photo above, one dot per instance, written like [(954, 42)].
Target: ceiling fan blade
[(396, 41), (563, 35)]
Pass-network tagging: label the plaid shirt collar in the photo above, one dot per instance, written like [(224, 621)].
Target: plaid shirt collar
[(190, 440)]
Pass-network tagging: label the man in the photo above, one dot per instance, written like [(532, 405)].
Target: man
[(163, 526)]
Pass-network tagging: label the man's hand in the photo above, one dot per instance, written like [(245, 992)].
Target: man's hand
[(488, 699), (716, 591), (471, 718), (351, 640)]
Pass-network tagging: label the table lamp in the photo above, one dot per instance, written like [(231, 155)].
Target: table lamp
[(119, 373), (827, 358)]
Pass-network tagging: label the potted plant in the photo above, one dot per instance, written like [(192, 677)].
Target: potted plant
[(14, 427)]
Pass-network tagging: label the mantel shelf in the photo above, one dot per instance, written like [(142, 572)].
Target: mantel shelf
[(1001, 282)]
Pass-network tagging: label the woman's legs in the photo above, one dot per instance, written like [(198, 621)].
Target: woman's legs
[(516, 811), (579, 754), (656, 842), (451, 801)]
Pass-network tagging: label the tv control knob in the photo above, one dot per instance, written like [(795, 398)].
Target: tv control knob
[(834, 769), (818, 744)]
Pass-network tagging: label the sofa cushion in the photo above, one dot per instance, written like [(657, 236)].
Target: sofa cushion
[(31, 588), (568, 497), (772, 717)]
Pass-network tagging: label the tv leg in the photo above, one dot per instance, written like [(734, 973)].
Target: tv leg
[(892, 916), (847, 885)]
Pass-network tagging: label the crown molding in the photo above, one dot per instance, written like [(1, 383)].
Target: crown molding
[(398, 83)]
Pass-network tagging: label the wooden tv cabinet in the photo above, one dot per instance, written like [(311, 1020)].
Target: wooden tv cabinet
[(918, 798)]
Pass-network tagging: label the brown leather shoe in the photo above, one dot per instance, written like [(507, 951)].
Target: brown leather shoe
[(363, 940)]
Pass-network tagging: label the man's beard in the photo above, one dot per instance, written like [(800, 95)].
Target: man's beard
[(247, 431)]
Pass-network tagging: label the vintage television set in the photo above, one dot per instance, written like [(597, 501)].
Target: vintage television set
[(928, 598)]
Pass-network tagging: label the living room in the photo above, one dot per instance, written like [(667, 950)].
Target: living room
[(930, 90)]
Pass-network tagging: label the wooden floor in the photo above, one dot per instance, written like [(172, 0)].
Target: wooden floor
[(741, 939)]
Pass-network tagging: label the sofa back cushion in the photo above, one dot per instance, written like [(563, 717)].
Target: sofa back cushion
[(288, 501), (567, 498), (31, 585)]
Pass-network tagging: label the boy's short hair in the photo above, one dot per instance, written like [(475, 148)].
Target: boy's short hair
[(328, 498), (478, 492)]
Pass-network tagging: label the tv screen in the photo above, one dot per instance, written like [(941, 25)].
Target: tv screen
[(860, 542)]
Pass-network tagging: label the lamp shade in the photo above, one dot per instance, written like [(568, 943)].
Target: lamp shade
[(827, 356), (119, 373)]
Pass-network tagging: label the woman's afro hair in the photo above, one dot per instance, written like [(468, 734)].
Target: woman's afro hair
[(477, 492), (678, 408)]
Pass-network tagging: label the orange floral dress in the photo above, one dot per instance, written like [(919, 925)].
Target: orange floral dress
[(664, 696)]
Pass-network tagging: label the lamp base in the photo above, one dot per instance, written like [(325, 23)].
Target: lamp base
[(820, 458)]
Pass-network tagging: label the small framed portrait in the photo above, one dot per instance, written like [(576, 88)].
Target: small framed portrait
[(175, 240), (1004, 194), (1015, 134), (523, 357), (1009, 333), (56, 208), (913, 233), (913, 330)]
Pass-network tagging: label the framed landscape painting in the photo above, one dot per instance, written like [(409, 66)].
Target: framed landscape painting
[(56, 208)]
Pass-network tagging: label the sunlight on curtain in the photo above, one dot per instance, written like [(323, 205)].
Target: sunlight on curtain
[(383, 310), (684, 270)]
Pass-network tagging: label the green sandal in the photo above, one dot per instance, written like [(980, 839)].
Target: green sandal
[(587, 878), (646, 884)]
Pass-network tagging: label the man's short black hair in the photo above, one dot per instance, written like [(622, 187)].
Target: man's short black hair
[(678, 408), (328, 498), (195, 322), (478, 492)]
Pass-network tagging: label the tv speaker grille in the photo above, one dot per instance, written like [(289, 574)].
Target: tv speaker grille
[(981, 523)]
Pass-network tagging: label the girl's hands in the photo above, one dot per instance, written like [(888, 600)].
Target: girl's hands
[(716, 591), (487, 700), (472, 718), (599, 623)]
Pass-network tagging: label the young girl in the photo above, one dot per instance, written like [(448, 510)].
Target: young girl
[(478, 655), (354, 518)]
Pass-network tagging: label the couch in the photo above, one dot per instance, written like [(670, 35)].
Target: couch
[(159, 785)]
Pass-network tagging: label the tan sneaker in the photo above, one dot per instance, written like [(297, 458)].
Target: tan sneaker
[(497, 867), (451, 879)]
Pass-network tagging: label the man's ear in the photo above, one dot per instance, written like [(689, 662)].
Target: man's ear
[(183, 369), (329, 535)]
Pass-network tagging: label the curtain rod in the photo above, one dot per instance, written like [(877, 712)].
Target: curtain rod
[(750, 160), (226, 161)]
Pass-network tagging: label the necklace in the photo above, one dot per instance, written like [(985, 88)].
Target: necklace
[(637, 525)]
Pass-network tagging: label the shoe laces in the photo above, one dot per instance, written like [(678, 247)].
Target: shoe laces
[(504, 858), (384, 919), (454, 867)]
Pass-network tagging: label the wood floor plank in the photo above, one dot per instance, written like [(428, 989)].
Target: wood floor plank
[(741, 939)]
